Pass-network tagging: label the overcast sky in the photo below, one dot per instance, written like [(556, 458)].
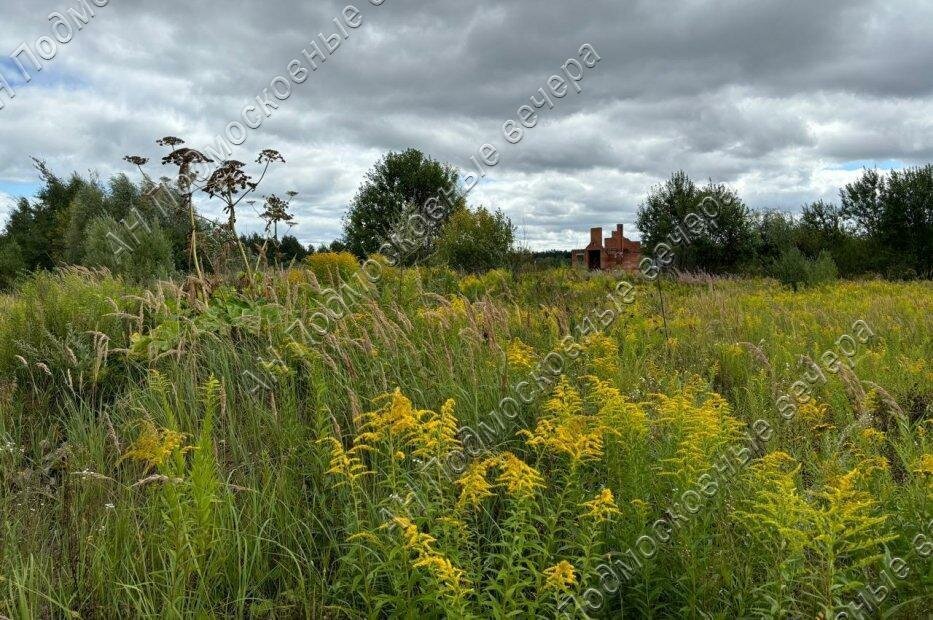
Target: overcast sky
[(785, 100)]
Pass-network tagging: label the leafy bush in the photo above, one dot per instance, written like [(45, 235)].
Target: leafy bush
[(790, 268), (11, 262), (793, 269), (476, 240), (143, 255), (823, 270)]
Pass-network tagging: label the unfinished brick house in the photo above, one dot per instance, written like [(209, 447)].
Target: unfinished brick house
[(616, 253)]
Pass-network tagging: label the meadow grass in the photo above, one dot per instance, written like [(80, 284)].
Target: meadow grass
[(146, 472)]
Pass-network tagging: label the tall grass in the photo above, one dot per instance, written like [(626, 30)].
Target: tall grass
[(144, 473)]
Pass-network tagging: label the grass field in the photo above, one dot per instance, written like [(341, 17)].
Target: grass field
[(502, 445)]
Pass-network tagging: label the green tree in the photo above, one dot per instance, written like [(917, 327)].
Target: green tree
[(895, 213), (790, 268), (777, 233), (398, 186), (291, 249), (39, 227), (476, 240), (11, 261), (794, 269), (145, 255), (707, 228), (823, 228), (87, 204)]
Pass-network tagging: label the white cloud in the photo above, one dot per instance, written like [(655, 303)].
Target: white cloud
[(7, 203)]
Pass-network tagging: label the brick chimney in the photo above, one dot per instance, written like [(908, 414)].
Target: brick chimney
[(619, 229), (596, 236)]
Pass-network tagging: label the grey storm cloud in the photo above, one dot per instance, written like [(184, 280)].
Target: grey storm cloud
[(782, 99)]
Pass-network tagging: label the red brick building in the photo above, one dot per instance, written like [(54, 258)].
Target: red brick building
[(616, 253)]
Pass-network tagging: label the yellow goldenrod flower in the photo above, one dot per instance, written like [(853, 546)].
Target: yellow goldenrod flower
[(399, 424), (616, 415), (575, 436), (602, 507), (449, 576), (565, 400), (602, 355), (813, 415), (342, 464), (560, 576), (454, 523), (850, 524), (565, 429), (414, 540), (925, 465), (873, 439), (700, 423), (364, 535), (776, 512), (154, 446), (437, 435), (332, 267), (520, 356), (395, 421), (520, 479), (474, 486)]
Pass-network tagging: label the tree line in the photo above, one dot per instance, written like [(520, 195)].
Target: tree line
[(151, 228), (882, 225)]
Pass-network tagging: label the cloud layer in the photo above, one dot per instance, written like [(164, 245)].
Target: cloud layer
[(785, 100)]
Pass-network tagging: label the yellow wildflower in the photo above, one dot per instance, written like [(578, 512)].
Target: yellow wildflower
[(398, 423), (560, 576), (874, 438), (415, 541), (437, 435), (342, 464), (565, 429), (565, 400), (873, 435), (520, 479), (776, 513), (453, 522), (573, 436), (395, 421), (475, 487), (471, 286), (602, 507), (602, 355), (449, 576), (814, 416), (850, 523), (333, 267), (520, 356), (154, 446), (702, 427), (363, 535), (925, 465), (616, 415)]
